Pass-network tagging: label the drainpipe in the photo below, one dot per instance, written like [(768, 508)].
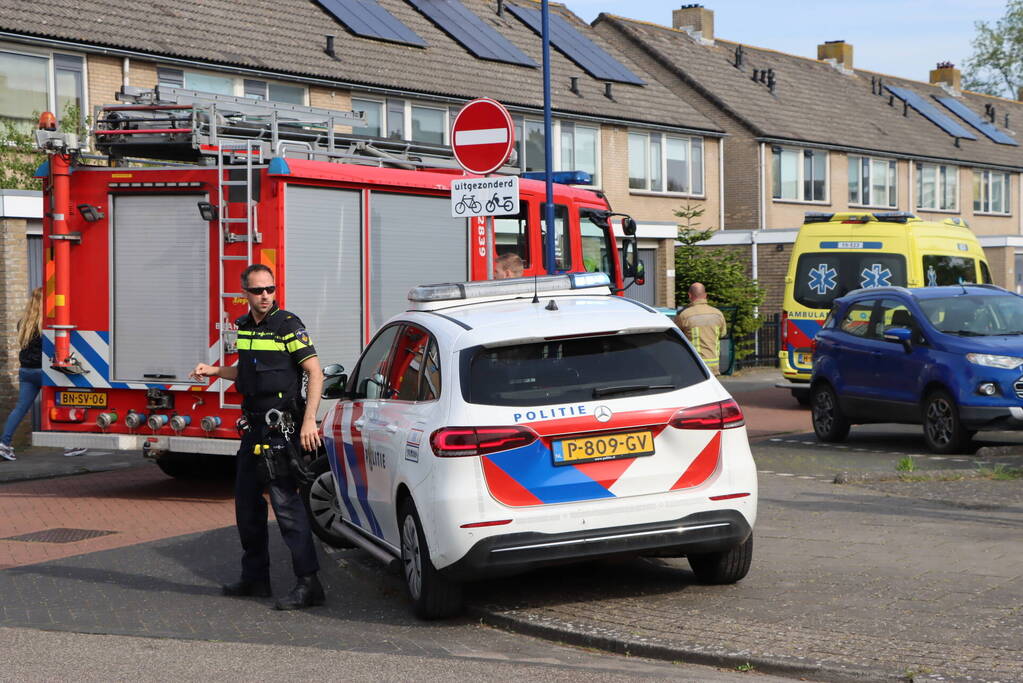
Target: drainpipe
[(126, 72), (763, 188), (721, 182)]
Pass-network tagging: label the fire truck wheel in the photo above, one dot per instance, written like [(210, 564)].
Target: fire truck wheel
[(322, 504), (196, 466)]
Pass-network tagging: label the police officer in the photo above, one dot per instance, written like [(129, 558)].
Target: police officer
[(273, 351)]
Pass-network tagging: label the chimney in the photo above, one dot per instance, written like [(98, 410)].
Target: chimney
[(695, 20), (838, 50), (946, 73)]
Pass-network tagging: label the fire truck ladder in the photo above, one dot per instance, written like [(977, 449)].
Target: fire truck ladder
[(234, 156)]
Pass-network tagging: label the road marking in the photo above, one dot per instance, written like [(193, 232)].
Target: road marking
[(785, 474)]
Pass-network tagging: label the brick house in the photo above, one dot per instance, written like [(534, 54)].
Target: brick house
[(810, 134)]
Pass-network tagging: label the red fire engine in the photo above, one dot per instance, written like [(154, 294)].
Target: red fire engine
[(143, 257)]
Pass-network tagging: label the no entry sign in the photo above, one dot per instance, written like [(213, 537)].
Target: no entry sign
[(482, 136)]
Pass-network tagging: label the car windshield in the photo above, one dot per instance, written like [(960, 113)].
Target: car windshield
[(579, 369), (973, 315)]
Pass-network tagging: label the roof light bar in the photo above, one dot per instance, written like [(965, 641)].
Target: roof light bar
[(957, 222), (520, 286), (895, 216), (562, 177)]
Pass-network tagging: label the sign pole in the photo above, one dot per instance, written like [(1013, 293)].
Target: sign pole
[(549, 206)]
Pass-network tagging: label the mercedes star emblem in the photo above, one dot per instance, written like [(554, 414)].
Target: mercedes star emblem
[(603, 414)]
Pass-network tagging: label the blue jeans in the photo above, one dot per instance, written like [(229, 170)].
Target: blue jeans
[(30, 381)]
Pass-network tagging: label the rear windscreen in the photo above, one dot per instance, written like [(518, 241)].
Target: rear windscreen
[(577, 370), (823, 277), (949, 270)]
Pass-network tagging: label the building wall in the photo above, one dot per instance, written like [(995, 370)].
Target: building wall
[(14, 278), (104, 76)]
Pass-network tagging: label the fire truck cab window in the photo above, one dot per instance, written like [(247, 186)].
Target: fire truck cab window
[(597, 246), (511, 234), (562, 247)]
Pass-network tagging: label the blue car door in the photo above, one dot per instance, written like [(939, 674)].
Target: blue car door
[(897, 372), (853, 355)]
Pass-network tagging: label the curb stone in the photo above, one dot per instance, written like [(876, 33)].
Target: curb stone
[(692, 655), (921, 476)]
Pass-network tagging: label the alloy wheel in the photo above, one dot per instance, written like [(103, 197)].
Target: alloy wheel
[(824, 410), (410, 556), (939, 421), (323, 502)]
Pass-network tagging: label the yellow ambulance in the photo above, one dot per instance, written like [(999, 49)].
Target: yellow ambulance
[(836, 253)]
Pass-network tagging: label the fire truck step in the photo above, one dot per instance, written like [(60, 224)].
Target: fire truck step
[(234, 220), (229, 183), (234, 258)]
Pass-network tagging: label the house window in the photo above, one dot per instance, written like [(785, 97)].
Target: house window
[(428, 125), (799, 174), (275, 92), (31, 83), (578, 149), (534, 156), (872, 182), (396, 119), (374, 115), (665, 163), (990, 192), (937, 187)]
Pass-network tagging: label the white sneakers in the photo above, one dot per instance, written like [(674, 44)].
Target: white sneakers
[(71, 452), (6, 452)]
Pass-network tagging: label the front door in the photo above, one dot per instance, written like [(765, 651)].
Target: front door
[(855, 359)]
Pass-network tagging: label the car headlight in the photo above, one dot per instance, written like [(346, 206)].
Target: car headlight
[(991, 361)]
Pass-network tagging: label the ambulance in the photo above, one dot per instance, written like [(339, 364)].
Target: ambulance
[(836, 253), (144, 246)]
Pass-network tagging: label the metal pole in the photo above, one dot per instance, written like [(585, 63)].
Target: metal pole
[(548, 158)]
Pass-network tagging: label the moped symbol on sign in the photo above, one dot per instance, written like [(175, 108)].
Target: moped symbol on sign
[(495, 196)]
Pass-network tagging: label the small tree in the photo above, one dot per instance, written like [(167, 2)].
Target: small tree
[(722, 273), (996, 65)]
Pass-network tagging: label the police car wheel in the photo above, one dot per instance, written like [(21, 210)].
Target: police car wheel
[(433, 596), (322, 504), (829, 423), (943, 432), (724, 567)]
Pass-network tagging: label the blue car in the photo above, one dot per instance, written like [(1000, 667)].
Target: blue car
[(948, 358)]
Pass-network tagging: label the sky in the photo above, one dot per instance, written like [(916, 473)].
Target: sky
[(898, 37)]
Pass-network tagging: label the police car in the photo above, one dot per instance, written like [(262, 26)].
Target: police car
[(500, 426)]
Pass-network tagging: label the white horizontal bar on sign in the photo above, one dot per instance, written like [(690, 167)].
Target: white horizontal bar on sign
[(483, 136)]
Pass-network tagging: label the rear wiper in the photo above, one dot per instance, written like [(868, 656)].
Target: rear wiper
[(629, 388)]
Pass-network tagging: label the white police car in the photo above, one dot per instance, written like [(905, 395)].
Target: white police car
[(485, 432)]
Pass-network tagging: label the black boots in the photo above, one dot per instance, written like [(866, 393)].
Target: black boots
[(245, 589), (306, 593)]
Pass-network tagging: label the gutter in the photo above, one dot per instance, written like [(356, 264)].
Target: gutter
[(313, 80)]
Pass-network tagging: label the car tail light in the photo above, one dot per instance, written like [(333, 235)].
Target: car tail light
[(720, 415), (784, 330), (454, 442)]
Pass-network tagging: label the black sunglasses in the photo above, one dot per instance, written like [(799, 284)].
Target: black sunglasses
[(259, 290)]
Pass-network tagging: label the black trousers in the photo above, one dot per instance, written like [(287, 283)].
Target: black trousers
[(251, 517)]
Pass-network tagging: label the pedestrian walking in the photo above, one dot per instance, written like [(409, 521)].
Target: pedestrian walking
[(704, 326), (274, 350), (29, 333)]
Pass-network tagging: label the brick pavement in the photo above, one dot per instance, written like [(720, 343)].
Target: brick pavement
[(847, 583), (140, 504)]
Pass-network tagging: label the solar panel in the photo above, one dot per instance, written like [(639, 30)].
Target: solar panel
[(930, 112), (368, 19), (974, 119), (577, 47), (452, 17)]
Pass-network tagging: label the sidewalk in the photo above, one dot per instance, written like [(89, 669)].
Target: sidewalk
[(44, 463)]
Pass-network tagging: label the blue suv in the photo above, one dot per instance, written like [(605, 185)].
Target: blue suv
[(949, 358)]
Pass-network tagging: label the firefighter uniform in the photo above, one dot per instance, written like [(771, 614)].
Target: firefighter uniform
[(269, 376), (705, 327)]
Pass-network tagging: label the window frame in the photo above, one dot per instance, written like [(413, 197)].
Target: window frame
[(867, 183), (240, 85), (51, 78), (982, 178), (801, 175), (662, 144), (940, 186)]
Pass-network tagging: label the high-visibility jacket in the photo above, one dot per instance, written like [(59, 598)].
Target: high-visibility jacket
[(270, 354), (705, 327)]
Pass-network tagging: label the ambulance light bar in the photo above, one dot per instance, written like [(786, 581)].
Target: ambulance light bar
[(511, 288), (859, 217)]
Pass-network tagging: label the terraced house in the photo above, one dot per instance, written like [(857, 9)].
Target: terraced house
[(809, 134)]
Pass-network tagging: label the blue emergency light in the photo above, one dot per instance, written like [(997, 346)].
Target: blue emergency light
[(562, 177)]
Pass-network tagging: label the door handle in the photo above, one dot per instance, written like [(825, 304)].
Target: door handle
[(392, 428), (358, 424)]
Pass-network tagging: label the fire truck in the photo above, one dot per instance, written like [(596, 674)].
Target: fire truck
[(144, 244)]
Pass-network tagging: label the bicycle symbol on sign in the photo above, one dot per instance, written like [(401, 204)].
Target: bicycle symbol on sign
[(468, 203), (505, 203)]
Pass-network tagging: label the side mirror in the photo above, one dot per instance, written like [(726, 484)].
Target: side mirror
[(629, 226), (630, 257), (640, 273), (900, 334), (333, 370), (334, 386)]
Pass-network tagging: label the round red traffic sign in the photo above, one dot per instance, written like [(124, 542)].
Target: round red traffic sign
[(482, 136)]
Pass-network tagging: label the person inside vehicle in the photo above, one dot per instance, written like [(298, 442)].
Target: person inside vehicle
[(508, 265)]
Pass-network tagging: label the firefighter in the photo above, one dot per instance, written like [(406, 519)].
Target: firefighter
[(704, 326), (274, 350), (508, 265)]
